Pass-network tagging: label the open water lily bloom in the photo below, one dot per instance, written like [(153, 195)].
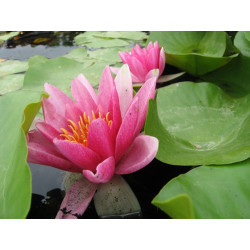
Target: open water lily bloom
[(96, 135), (143, 62)]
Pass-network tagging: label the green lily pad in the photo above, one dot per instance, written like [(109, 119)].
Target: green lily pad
[(195, 52), (198, 124), (15, 177), (11, 83), (234, 77), (206, 192), (91, 41), (109, 55), (129, 35), (93, 73), (247, 35), (58, 72), (78, 54), (36, 60), (12, 66)]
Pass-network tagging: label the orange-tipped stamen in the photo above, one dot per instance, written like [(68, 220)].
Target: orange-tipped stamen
[(78, 132)]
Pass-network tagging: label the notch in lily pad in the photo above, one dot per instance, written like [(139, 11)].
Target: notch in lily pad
[(196, 52)]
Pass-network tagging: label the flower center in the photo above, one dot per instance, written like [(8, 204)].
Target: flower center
[(79, 132)]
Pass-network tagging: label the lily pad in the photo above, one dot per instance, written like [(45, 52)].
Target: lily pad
[(198, 124), (58, 71), (129, 35), (78, 54), (95, 42), (247, 35), (36, 60), (15, 178), (234, 77), (109, 55), (11, 83), (208, 192), (195, 52), (12, 66)]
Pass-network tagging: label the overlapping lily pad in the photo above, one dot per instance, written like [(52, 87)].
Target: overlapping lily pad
[(108, 39), (11, 83), (196, 52), (198, 124), (234, 77), (208, 192), (15, 178), (10, 79), (58, 71)]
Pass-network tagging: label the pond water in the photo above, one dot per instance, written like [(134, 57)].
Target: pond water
[(47, 188)]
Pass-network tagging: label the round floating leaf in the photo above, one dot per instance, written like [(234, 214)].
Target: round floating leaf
[(78, 54), (36, 60), (15, 178), (109, 55), (12, 66), (129, 35), (198, 124), (58, 71), (234, 78), (11, 83), (247, 35), (195, 52), (91, 41), (242, 43), (208, 192)]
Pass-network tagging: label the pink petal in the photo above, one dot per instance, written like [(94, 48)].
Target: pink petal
[(115, 113), (125, 134), (88, 86), (82, 96), (138, 69), (105, 89), (153, 59), (146, 92), (150, 45), (73, 113), (99, 138), (104, 171), (141, 153), (41, 151), (161, 61), (77, 199), (156, 46), (122, 56), (80, 155), (47, 130), (52, 117), (57, 98), (124, 88)]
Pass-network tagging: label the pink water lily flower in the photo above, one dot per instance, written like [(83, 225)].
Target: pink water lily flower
[(96, 135), (142, 62)]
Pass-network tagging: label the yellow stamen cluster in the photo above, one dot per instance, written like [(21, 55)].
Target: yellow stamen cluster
[(79, 132)]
